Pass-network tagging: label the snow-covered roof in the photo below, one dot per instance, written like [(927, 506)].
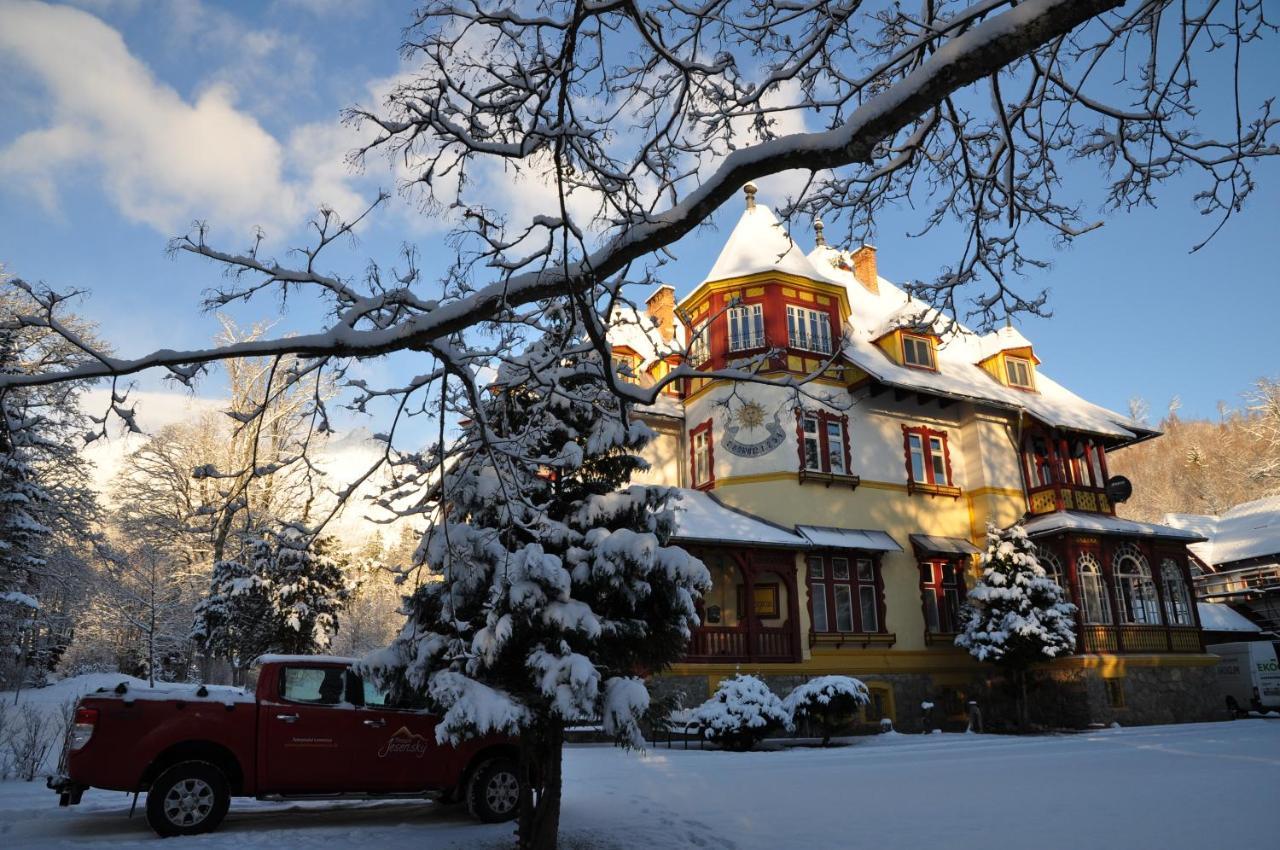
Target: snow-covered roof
[(757, 244), (1249, 530), (638, 331), (702, 518), (1103, 524), (1216, 617), (827, 537), (960, 350)]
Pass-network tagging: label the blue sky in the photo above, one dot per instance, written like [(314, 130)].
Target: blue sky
[(126, 120)]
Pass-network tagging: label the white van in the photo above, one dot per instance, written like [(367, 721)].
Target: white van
[(1248, 674)]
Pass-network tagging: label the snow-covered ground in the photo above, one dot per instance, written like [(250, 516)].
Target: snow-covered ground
[(1193, 786)]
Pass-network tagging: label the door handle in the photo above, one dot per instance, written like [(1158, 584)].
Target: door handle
[(377, 724), (287, 718)]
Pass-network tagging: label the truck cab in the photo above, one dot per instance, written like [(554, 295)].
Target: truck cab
[(304, 726)]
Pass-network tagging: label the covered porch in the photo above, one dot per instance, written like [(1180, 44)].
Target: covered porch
[(752, 612)]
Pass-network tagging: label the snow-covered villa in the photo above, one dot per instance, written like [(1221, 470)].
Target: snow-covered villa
[(840, 532)]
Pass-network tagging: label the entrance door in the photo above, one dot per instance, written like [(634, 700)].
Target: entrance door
[(397, 752), (308, 733)]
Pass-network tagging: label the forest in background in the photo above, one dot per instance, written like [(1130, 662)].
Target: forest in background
[(1204, 466)]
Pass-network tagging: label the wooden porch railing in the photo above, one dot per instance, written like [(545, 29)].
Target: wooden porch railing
[(735, 643), (1115, 639)]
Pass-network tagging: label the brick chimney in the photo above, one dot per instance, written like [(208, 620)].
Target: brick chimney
[(864, 268), (661, 307)]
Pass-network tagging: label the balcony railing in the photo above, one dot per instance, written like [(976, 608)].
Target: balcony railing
[(1068, 497), (737, 643), (1137, 639)]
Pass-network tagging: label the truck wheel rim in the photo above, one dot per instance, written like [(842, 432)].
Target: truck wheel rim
[(188, 802), (503, 792)]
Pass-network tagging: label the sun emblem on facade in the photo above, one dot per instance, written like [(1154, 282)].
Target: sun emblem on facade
[(750, 415)]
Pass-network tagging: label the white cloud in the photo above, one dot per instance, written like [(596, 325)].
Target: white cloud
[(163, 160)]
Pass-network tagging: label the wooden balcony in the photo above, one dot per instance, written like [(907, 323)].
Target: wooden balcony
[(729, 644), (1138, 639), (1068, 497)]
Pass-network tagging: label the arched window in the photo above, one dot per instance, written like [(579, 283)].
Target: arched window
[(1094, 605), (1177, 601), (1135, 590), (1053, 568)]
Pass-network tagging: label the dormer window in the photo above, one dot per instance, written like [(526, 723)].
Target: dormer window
[(1018, 371), (746, 327), (808, 329), (917, 351)]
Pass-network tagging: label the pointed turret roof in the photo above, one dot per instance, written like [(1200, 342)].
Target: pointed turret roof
[(759, 243)]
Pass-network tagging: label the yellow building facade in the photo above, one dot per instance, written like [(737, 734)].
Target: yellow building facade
[(840, 450)]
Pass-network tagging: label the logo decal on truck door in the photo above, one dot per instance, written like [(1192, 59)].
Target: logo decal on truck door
[(404, 741)]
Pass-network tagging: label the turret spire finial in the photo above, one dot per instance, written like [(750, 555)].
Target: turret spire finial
[(819, 239), (750, 190)]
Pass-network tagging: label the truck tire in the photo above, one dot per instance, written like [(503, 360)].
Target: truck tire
[(493, 792), (188, 798)]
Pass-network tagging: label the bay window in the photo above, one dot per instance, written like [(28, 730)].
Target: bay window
[(808, 329), (699, 347), (1095, 605), (746, 327), (844, 594), (1177, 601), (1135, 590)]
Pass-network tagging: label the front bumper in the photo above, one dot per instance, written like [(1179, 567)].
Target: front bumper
[(69, 793)]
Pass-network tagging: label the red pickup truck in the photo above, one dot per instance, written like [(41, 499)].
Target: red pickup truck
[(305, 727)]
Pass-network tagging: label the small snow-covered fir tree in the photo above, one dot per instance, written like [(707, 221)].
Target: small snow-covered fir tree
[(741, 713), (279, 596), (830, 702), (553, 588), (1016, 615)]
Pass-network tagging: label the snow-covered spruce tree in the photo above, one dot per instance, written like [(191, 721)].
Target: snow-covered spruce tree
[(741, 713), (553, 589), (279, 596), (830, 702), (1015, 614)]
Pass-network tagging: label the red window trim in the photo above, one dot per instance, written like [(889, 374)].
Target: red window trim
[(824, 456), (940, 587), (710, 483), (924, 433), (829, 594)]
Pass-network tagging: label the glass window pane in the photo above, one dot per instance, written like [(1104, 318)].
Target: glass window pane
[(817, 568), (819, 596), (844, 608), (866, 569), (948, 573), (373, 696), (835, 447), (869, 615), (953, 610), (931, 609), (917, 459), (840, 568), (926, 573), (319, 685)]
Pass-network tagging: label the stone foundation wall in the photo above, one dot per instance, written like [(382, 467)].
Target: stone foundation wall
[(1068, 697)]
